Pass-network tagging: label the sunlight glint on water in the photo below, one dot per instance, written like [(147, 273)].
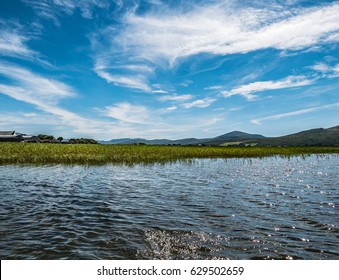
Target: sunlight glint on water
[(272, 208)]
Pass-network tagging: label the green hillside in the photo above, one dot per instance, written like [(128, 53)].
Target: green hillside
[(313, 137)]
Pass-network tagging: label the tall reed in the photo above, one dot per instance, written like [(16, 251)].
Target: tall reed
[(34, 153)]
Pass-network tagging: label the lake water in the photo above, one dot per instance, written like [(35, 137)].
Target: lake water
[(272, 208)]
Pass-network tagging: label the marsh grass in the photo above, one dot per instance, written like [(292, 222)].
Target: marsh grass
[(86, 154)]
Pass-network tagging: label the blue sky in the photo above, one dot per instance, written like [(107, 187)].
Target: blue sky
[(168, 69)]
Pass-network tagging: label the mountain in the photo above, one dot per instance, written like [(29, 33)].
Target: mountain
[(131, 141), (312, 137), (228, 137), (239, 135), (234, 136), (118, 141)]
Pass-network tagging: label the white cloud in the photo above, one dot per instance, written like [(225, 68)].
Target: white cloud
[(327, 70), (28, 115), (12, 44), (294, 113), (172, 108), (21, 94), (53, 9), (136, 68), (33, 85), (45, 95), (13, 41), (213, 87), (248, 90), (162, 37), (127, 112), (321, 67), (200, 103), (236, 108), (336, 69), (183, 97), (224, 28), (332, 37), (130, 80), (159, 91)]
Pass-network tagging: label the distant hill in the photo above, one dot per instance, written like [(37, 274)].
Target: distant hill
[(231, 136), (239, 135), (312, 137), (234, 136), (131, 141)]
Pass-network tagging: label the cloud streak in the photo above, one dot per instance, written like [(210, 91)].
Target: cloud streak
[(163, 37), (294, 113), (35, 87), (127, 113), (45, 94), (248, 90), (326, 70), (131, 80), (221, 28), (183, 97), (13, 41), (54, 9), (200, 103)]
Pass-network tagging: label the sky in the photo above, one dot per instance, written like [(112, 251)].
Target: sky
[(108, 69)]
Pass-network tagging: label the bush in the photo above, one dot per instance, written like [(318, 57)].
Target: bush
[(82, 141), (46, 137)]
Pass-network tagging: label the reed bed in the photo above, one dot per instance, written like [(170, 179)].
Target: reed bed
[(41, 154)]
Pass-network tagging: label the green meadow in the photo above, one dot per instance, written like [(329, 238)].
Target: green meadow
[(87, 154)]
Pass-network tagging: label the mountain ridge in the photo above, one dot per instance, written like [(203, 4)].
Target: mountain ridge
[(185, 141), (313, 137)]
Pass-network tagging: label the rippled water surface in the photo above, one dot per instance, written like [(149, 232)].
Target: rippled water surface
[(211, 209)]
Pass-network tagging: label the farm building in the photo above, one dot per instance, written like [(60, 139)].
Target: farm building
[(12, 136)]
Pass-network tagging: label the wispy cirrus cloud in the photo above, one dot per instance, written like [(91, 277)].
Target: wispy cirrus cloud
[(223, 27), (176, 97), (44, 94), (14, 45), (54, 9), (213, 87), (162, 37), (327, 70), (181, 101), (127, 113), (295, 113), (199, 103), (131, 79), (13, 41), (34, 87), (134, 82), (248, 90)]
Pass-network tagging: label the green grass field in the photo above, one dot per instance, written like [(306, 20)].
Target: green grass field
[(39, 154)]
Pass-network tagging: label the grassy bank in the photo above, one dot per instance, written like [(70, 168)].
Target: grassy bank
[(20, 153)]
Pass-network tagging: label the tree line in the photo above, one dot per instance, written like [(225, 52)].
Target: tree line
[(51, 139)]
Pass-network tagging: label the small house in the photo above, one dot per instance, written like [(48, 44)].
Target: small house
[(30, 139), (10, 136)]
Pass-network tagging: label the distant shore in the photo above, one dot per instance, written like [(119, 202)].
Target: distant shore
[(87, 154)]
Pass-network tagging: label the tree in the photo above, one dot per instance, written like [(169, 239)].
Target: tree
[(82, 141), (46, 137)]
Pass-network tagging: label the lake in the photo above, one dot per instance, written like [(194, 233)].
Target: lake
[(270, 208)]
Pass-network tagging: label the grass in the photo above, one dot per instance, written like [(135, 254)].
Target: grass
[(40, 154)]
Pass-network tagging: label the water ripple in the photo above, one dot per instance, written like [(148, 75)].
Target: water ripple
[(270, 208)]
